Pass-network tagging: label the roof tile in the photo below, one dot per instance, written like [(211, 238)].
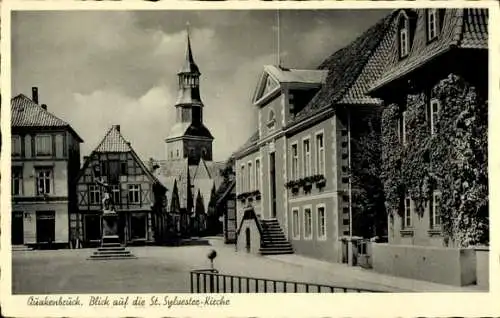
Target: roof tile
[(113, 141), (26, 113)]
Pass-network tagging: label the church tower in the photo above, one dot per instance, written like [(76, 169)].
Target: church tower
[(189, 138)]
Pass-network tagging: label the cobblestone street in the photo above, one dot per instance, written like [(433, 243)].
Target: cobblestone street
[(166, 270)]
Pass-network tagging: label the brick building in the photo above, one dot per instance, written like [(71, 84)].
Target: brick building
[(45, 163)]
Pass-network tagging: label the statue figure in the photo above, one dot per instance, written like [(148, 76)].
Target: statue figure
[(107, 201)]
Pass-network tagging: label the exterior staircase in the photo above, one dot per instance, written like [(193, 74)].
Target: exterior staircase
[(112, 251), (273, 240)]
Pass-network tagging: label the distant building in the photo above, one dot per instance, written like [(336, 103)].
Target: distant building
[(188, 170), (45, 163), (293, 181), (136, 194)]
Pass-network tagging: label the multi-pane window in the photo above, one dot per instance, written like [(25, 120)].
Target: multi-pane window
[(94, 194), (321, 222), (115, 194), (134, 193), (435, 106), (243, 178), (17, 180), (250, 177), (257, 174), (295, 223), (44, 181), (307, 157), (16, 145), (403, 42), (435, 209), (43, 145), (320, 154), (307, 223), (431, 24), (407, 213), (295, 162)]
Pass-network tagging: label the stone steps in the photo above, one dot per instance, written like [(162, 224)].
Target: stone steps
[(273, 239), (21, 248)]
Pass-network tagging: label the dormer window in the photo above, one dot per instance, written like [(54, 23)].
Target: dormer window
[(432, 24), (404, 43)]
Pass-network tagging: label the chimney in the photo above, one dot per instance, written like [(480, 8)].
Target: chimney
[(34, 93), (44, 106), (117, 127)]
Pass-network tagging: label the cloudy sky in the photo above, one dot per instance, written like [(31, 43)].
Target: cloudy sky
[(95, 69)]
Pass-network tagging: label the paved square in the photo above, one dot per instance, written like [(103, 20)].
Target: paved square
[(166, 270)]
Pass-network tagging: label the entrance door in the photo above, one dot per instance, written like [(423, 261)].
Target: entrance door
[(138, 224), (92, 228), (17, 229), (272, 174), (45, 227), (247, 239)]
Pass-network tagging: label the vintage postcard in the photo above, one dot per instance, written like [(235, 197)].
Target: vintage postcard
[(248, 159)]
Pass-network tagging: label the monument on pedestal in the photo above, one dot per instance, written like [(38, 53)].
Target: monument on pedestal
[(111, 247)]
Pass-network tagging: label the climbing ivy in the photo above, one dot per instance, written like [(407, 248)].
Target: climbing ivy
[(454, 160)]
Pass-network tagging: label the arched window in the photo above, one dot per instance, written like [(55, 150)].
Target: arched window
[(403, 37), (271, 119), (432, 24)]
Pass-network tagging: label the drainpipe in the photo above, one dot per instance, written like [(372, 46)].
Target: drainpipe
[(349, 165)]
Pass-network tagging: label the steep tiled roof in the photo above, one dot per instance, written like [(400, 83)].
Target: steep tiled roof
[(26, 113), (177, 169), (187, 129), (465, 28), (347, 76), (291, 75), (252, 141), (113, 141)]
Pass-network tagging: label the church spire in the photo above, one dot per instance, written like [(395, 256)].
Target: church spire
[(189, 64)]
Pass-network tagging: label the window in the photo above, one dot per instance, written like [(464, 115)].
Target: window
[(295, 162), (17, 180), (404, 41), (402, 129), (94, 194), (43, 145), (320, 154), (321, 222), (123, 168), (134, 193), (250, 177), (271, 119), (431, 24), (44, 181), (177, 153), (407, 213), (307, 223), (295, 223), (435, 209), (16, 145), (435, 107), (257, 174), (307, 157), (115, 194), (242, 178)]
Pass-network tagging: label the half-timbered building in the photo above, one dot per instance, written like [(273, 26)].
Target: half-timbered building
[(45, 154), (136, 194)]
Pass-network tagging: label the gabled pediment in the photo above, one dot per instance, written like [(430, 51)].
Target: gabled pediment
[(266, 87)]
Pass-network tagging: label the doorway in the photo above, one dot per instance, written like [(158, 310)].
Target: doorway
[(45, 227), (272, 174), (17, 229), (247, 239)]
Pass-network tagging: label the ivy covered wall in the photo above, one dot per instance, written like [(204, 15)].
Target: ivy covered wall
[(453, 160)]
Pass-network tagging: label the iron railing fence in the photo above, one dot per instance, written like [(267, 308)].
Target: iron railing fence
[(211, 281)]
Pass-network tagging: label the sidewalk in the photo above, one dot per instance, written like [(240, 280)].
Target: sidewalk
[(318, 271)]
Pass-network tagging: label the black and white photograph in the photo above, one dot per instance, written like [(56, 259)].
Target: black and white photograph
[(194, 151)]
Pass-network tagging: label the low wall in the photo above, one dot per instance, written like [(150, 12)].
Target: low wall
[(452, 266), (483, 267)]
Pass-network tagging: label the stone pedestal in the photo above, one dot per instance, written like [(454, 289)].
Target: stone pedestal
[(110, 229)]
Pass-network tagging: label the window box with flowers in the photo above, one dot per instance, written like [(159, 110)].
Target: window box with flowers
[(256, 194), (306, 183), (293, 185), (319, 180)]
